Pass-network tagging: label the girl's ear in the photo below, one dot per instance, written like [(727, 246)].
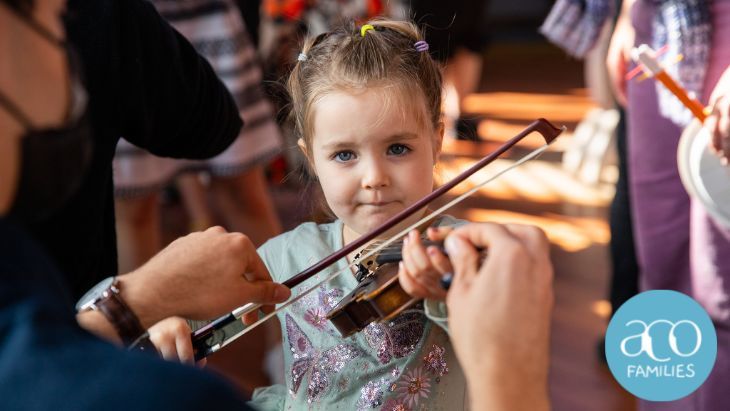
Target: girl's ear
[(303, 146), (438, 139)]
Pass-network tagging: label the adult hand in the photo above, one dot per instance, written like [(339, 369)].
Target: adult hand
[(718, 122), (619, 53), (201, 276), (499, 313)]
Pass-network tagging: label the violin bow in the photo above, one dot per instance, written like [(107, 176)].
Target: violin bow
[(213, 337)]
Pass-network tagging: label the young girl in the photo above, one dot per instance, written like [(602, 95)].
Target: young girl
[(366, 103)]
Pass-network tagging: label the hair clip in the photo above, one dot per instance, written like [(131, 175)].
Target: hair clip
[(365, 28), (421, 46), (302, 57)]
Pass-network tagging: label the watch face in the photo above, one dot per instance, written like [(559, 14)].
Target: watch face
[(94, 294)]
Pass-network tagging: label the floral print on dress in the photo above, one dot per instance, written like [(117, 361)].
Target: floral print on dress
[(394, 405), (435, 361), (323, 298), (328, 299), (317, 317), (314, 307), (413, 386), (320, 366)]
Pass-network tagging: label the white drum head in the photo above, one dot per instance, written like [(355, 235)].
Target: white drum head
[(702, 174)]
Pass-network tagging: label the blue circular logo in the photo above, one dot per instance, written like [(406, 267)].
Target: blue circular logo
[(661, 345)]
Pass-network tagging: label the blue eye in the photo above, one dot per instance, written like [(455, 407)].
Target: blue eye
[(344, 156), (398, 149)]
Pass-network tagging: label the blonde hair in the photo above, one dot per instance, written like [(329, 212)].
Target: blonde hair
[(346, 59)]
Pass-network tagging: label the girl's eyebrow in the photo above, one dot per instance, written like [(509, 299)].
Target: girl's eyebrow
[(338, 145), (406, 135), (341, 145)]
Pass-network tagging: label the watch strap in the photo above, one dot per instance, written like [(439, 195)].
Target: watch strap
[(143, 343), (123, 319)]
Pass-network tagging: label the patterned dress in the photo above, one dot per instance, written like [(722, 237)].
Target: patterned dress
[(216, 30), (405, 364)]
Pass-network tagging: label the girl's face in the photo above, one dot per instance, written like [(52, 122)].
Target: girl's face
[(371, 160)]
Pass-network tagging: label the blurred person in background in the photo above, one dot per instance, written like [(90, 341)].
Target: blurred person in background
[(679, 245), (458, 34), (234, 179)]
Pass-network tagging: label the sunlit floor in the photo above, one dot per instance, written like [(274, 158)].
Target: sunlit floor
[(521, 82)]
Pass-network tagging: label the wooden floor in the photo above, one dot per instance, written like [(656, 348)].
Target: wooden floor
[(521, 82)]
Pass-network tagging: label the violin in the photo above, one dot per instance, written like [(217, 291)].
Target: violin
[(379, 296), (223, 330)]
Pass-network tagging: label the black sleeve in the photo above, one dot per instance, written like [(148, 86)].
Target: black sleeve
[(172, 103)]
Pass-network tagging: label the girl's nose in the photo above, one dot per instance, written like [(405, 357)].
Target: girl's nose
[(375, 176)]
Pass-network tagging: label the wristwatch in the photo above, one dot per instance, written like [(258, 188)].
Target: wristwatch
[(106, 298)]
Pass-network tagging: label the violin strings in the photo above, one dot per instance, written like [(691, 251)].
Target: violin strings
[(241, 311), (397, 250)]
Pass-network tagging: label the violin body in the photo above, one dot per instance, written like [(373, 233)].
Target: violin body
[(378, 297)]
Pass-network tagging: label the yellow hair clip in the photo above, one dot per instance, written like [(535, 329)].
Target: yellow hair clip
[(365, 28)]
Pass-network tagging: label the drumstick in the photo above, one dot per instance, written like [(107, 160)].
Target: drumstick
[(645, 56), (639, 69)]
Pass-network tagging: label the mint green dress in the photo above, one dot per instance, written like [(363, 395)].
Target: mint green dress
[(405, 364)]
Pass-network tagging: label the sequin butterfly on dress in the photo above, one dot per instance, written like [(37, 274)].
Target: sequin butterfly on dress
[(321, 366), (397, 338)]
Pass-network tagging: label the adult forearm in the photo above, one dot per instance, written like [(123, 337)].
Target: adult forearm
[(508, 387), (200, 276), (141, 296), (97, 324), (145, 298)]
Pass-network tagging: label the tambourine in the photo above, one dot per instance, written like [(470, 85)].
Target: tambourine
[(703, 175)]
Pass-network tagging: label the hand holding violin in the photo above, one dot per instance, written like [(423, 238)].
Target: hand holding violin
[(499, 313), (422, 268)]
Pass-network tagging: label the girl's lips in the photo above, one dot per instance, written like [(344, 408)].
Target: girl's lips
[(379, 203)]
